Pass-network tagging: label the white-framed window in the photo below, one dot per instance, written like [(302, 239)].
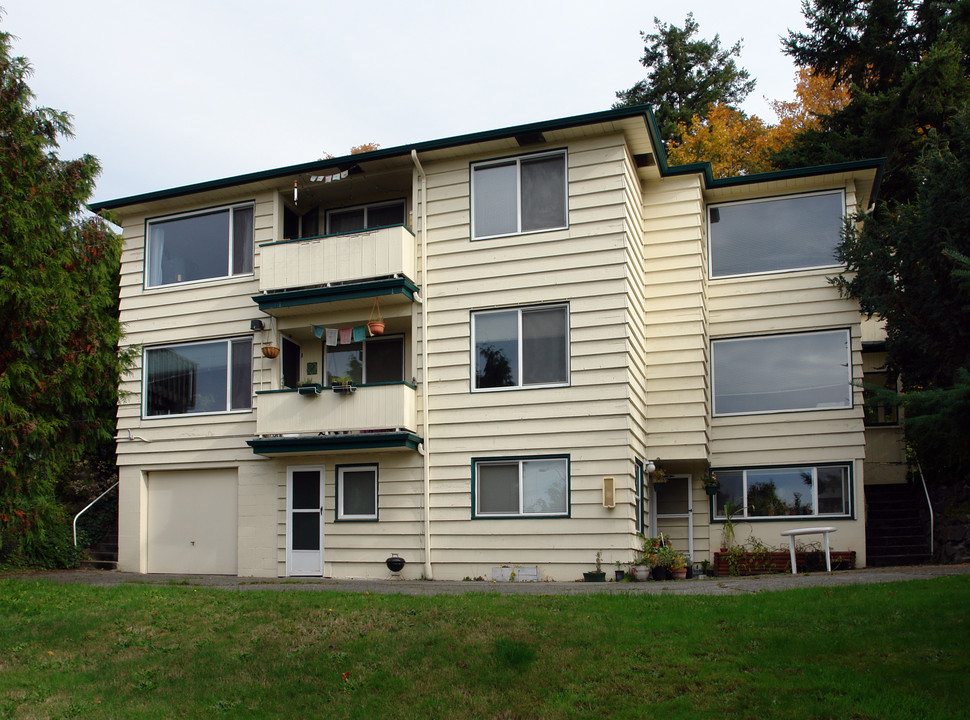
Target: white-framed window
[(784, 492), (521, 487), (356, 492), (362, 217), (206, 245), (520, 347), (370, 361), (518, 195), (782, 373), (769, 235), (201, 377)]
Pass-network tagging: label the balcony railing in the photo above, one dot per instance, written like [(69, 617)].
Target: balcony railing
[(361, 255), (371, 407)]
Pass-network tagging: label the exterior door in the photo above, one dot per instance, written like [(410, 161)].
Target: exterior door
[(304, 526), (670, 504)]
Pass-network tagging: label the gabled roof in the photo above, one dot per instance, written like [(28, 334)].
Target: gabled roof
[(636, 122)]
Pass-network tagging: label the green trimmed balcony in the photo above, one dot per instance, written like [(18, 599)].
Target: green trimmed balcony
[(337, 259), (321, 409)]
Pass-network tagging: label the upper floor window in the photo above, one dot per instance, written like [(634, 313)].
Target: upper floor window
[(202, 246), (778, 373), (519, 195), (203, 377), (363, 217), (520, 347), (374, 360), (798, 232), (822, 490)]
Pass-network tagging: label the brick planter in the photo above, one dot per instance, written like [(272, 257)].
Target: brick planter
[(780, 562)]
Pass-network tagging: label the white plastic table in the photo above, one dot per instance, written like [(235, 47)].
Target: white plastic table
[(823, 531)]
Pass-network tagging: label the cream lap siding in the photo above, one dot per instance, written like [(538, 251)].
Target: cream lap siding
[(788, 303), (675, 320), (585, 266)]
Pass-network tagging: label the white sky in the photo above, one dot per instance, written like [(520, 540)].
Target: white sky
[(183, 91)]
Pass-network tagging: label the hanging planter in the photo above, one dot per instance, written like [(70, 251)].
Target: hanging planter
[(270, 351), (375, 325)]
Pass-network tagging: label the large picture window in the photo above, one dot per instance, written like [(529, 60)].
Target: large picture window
[(521, 487), (357, 492), (775, 234), (520, 347), (782, 373), (203, 377), (822, 490), (203, 246), (519, 195)]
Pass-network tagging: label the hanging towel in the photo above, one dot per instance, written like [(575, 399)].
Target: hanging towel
[(332, 337), (360, 332), (318, 331), (345, 335)]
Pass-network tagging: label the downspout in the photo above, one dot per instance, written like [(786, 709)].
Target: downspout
[(425, 448)]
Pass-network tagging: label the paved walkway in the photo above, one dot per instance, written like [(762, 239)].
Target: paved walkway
[(709, 586)]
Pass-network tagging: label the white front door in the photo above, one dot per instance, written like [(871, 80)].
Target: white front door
[(304, 521)]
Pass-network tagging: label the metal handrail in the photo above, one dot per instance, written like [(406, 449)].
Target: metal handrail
[(90, 505), (928, 503)]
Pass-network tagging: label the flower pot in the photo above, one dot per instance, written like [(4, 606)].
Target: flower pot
[(679, 574), (270, 351), (640, 573), (661, 573), (711, 490), (376, 327), (620, 574), (594, 576)]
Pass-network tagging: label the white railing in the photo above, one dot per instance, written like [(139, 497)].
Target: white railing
[(309, 262), (926, 492), (90, 505), (370, 407)]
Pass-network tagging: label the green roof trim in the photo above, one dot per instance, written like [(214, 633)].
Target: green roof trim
[(330, 443), (643, 112), (334, 293)]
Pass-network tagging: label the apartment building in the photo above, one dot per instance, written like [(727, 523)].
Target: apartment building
[(469, 352)]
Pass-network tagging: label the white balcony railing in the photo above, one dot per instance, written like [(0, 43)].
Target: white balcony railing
[(371, 407), (308, 262)]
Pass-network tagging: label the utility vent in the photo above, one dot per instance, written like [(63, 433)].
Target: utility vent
[(644, 160)]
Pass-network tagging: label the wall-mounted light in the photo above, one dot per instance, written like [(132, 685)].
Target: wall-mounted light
[(256, 324), (609, 493), (650, 466)]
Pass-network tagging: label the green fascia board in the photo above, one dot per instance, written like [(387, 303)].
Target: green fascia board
[(712, 183), (642, 111), (334, 293), (330, 443)]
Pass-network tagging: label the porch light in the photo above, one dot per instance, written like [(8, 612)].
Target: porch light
[(650, 466)]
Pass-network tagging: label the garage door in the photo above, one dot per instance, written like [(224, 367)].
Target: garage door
[(192, 522)]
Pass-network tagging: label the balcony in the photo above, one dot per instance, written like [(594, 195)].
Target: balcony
[(337, 259), (379, 407)]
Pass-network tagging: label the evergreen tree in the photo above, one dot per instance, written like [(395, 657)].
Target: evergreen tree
[(58, 320), (906, 63), (686, 76)]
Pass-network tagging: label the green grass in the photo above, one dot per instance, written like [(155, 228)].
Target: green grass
[(877, 651)]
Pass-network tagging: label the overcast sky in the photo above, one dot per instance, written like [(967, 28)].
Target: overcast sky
[(183, 91)]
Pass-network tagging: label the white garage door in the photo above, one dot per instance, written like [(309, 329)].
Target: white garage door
[(192, 522)]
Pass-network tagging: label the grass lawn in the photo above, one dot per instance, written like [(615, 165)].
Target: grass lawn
[(877, 651)]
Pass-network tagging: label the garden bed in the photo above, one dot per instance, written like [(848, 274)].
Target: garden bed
[(760, 563)]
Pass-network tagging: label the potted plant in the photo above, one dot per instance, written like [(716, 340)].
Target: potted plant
[(343, 384), (270, 351), (678, 565), (659, 476), (597, 575), (620, 573), (663, 561), (710, 482)]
